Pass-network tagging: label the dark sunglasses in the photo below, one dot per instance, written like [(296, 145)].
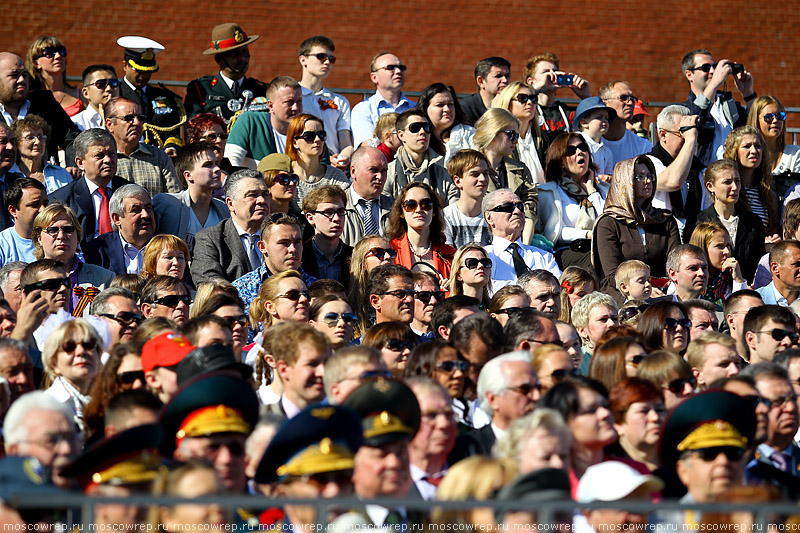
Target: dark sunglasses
[(214, 136), (53, 284), (629, 313), (295, 294), (709, 454), (769, 117), (425, 296), (233, 320), (401, 294), (509, 311), (780, 334), (472, 263), (572, 149), (53, 231), (755, 400), (627, 98), (676, 386), (417, 126), (102, 84), (706, 67), (526, 388), (287, 179), (309, 136), (324, 57), (50, 51), (392, 68), (332, 319), (409, 206), (129, 378), (71, 346), (173, 300), (398, 345), (779, 402), (561, 374), (374, 374), (512, 135), (380, 253), (130, 117), (330, 213), (450, 366), (636, 360), (125, 318), (507, 207), (524, 98), (671, 324)]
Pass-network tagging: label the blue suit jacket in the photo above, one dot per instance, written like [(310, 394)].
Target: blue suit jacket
[(76, 195), (106, 251)]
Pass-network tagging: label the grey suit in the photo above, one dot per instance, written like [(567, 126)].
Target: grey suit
[(219, 254), (354, 224), (173, 213)]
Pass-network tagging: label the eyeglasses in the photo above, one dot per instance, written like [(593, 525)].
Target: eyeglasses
[(510, 311), (309, 136), (639, 178), (30, 139), (629, 313), (572, 149), (105, 82), (626, 98), (705, 67), (214, 137), (472, 263), (526, 388), (671, 324), (380, 253), (678, 385), (675, 133), (125, 318), (562, 373), (52, 440), (50, 51), (374, 374), (71, 346), (556, 342), (401, 294), (52, 284), (425, 296), (512, 135), (398, 345), (234, 320), (709, 454), (173, 300), (635, 361), (392, 68), (287, 179), (129, 378), (755, 400), (450, 366), (330, 213), (53, 231), (780, 334), (524, 98), (295, 294), (130, 117), (322, 57), (507, 207), (426, 204), (415, 127), (332, 319), (778, 403), (769, 117)]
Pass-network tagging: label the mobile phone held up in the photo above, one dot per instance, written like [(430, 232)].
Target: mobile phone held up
[(564, 80)]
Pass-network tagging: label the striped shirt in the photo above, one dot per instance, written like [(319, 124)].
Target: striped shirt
[(757, 207)]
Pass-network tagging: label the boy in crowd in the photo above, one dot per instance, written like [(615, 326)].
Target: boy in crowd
[(465, 221), (591, 120), (633, 280), (100, 84), (326, 256), (387, 140)]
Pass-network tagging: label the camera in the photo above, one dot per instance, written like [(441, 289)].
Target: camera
[(705, 123), (737, 68), (564, 80)]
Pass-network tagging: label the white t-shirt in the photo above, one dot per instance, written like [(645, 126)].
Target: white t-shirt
[(461, 229), (629, 146)]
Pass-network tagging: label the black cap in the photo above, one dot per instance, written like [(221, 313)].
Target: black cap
[(24, 475), (542, 485), (210, 359), (388, 409)]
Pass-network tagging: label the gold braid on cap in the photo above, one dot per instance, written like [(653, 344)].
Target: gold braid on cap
[(324, 456), (712, 434), (384, 423)]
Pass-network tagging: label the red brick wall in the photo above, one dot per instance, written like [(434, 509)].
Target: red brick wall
[(440, 40)]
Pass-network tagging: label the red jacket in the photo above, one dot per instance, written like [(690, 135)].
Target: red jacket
[(442, 257)]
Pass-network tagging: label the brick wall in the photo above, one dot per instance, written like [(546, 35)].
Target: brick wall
[(440, 40)]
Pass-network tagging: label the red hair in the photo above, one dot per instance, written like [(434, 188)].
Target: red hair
[(296, 127), (629, 391), (201, 123)]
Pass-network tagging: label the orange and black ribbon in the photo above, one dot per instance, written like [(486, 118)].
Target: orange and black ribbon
[(85, 297)]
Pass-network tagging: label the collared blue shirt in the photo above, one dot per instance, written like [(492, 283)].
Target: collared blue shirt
[(365, 114)]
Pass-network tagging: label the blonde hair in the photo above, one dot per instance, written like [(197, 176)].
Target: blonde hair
[(78, 328), (209, 288), (490, 124), (756, 108), (704, 233), (385, 124), (357, 296), (506, 96), (575, 277), (456, 286), (268, 293), (510, 445), (627, 269), (473, 478), (154, 248), (541, 353), (696, 352), (47, 216)]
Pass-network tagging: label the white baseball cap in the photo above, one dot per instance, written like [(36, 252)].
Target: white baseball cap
[(613, 480)]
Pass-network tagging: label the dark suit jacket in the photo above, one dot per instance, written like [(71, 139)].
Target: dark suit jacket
[(76, 195), (62, 130), (5, 218), (106, 251), (219, 254), (310, 265), (473, 108)]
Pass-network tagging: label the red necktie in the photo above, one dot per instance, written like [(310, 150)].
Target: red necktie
[(434, 480), (104, 221)]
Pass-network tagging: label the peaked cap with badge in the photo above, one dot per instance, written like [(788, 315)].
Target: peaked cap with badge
[(388, 409)]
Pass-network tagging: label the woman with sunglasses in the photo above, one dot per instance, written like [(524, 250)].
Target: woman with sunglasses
[(210, 127), (768, 115), (280, 181), (571, 200), (30, 134), (724, 272), (416, 231), (56, 234), (282, 298), (165, 255), (507, 301), (333, 316), (665, 326), (630, 227), (71, 358), (472, 274), (671, 373), (305, 146), (616, 359), (369, 252), (47, 65), (639, 412), (496, 136), (449, 134), (518, 98), (395, 341)]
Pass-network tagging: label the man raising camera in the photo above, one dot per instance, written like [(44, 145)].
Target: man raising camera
[(706, 77)]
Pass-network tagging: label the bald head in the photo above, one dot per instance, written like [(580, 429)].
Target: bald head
[(13, 81), (368, 170)]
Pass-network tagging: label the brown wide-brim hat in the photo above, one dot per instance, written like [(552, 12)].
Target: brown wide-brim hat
[(227, 37)]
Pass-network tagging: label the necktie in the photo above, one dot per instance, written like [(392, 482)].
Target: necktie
[(434, 480), (779, 459), (370, 226), (253, 252), (103, 220), (394, 518), (520, 267)]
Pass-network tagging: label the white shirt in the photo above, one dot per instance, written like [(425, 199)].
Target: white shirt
[(133, 256), (498, 433), (601, 155), (289, 407), (243, 236), (280, 141), (378, 514), (23, 112), (229, 82), (630, 145), (88, 118), (426, 489), (503, 272), (376, 208)]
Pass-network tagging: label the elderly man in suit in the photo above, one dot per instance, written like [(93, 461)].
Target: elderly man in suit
[(229, 250), (367, 209), (96, 156)]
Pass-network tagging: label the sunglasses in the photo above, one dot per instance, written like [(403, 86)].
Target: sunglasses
[(233, 320), (129, 378), (380, 253), (173, 300), (779, 402), (330, 213), (425, 296), (524, 98), (214, 137), (287, 179), (507, 207), (472, 263), (374, 374), (780, 334), (295, 294), (509, 311), (53, 284), (706, 67), (635, 361), (755, 400), (627, 98), (125, 318), (417, 126), (130, 117), (671, 324), (512, 135), (392, 68), (309, 136), (572, 149), (709, 454), (53, 231), (71, 346), (409, 206), (102, 84), (332, 319), (769, 117), (449, 366), (561, 374), (401, 294), (629, 313), (322, 57), (526, 388), (676, 386), (50, 51), (398, 345)]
